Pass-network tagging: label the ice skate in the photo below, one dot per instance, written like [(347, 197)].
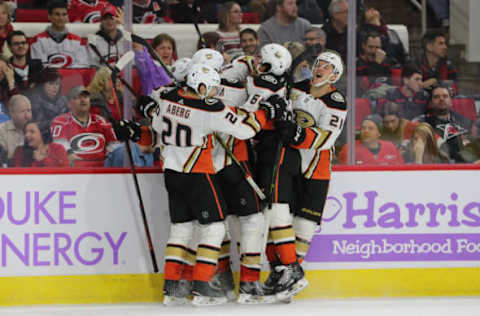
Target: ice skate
[(291, 282), (272, 280), (176, 292), (205, 293), (252, 293), (224, 280)]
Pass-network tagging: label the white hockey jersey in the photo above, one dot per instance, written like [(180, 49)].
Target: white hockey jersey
[(68, 53), (323, 119), (186, 126), (239, 69)]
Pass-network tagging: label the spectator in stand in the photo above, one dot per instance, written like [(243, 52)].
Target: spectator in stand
[(423, 148), (336, 27), (284, 26), (372, 22), (396, 128), (259, 7), (230, 18), (56, 47), (5, 28), (109, 40), (101, 95), (38, 149), (25, 68), (249, 42), (86, 137), (436, 68), (142, 151), (211, 40), (11, 132), (373, 65), (46, 96), (166, 48), (311, 11), (370, 150), (451, 127), (314, 43), (150, 11), (86, 11), (471, 152), (411, 96), (7, 82)]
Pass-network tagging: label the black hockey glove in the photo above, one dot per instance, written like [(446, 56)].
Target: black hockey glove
[(274, 106), (289, 132), (145, 106), (126, 130)]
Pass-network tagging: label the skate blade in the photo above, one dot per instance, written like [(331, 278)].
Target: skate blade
[(296, 288), (208, 301), (253, 299), (175, 301)]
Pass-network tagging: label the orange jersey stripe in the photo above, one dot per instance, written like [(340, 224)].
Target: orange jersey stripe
[(216, 196)]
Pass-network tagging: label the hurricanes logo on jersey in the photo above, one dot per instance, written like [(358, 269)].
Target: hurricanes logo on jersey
[(59, 60), (304, 119), (87, 143)]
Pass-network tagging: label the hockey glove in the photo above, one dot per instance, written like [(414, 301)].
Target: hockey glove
[(274, 106), (289, 132), (145, 106), (126, 130)]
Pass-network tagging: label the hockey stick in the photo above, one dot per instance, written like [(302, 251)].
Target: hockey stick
[(137, 189), (92, 44), (245, 172), (203, 43)]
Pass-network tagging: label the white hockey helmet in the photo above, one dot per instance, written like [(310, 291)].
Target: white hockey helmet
[(201, 74), (276, 58), (334, 59), (180, 68), (208, 56)]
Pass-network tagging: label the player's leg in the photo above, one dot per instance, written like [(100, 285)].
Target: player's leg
[(176, 252), (209, 207)]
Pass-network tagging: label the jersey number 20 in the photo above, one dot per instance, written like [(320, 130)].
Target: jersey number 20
[(182, 137)]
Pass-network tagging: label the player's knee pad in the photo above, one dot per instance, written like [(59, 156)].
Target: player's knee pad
[(252, 230), (280, 215), (212, 234), (304, 228), (181, 233)]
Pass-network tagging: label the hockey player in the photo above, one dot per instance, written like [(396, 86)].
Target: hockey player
[(320, 112), (242, 201), (186, 119)]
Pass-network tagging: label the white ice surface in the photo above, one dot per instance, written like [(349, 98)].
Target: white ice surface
[(327, 307)]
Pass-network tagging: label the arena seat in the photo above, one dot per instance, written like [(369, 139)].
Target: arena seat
[(465, 107), (362, 109), (30, 15), (250, 18), (70, 79)]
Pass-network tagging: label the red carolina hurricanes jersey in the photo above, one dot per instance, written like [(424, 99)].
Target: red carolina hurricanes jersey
[(86, 11), (90, 141)]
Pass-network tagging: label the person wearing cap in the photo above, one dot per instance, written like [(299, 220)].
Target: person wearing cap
[(46, 96), (87, 138), (370, 150), (109, 40), (142, 151)]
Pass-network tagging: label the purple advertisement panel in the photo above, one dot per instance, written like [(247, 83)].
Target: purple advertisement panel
[(394, 247)]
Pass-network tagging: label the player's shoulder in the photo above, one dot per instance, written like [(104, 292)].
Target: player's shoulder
[(303, 85), (207, 104), (269, 81), (62, 119), (335, 99), (233, 83)]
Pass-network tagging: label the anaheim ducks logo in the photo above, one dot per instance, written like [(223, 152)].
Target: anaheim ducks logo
[(304, 119), (92, 17), (208, 56), (87, 143), (59, 60), (278, 55)]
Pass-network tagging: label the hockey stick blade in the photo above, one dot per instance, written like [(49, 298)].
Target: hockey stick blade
[(124, 60)]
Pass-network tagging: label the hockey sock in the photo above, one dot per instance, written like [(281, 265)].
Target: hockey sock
[(252, 229), (176, 250), (304, 230), (282, 233), (211, 236)]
